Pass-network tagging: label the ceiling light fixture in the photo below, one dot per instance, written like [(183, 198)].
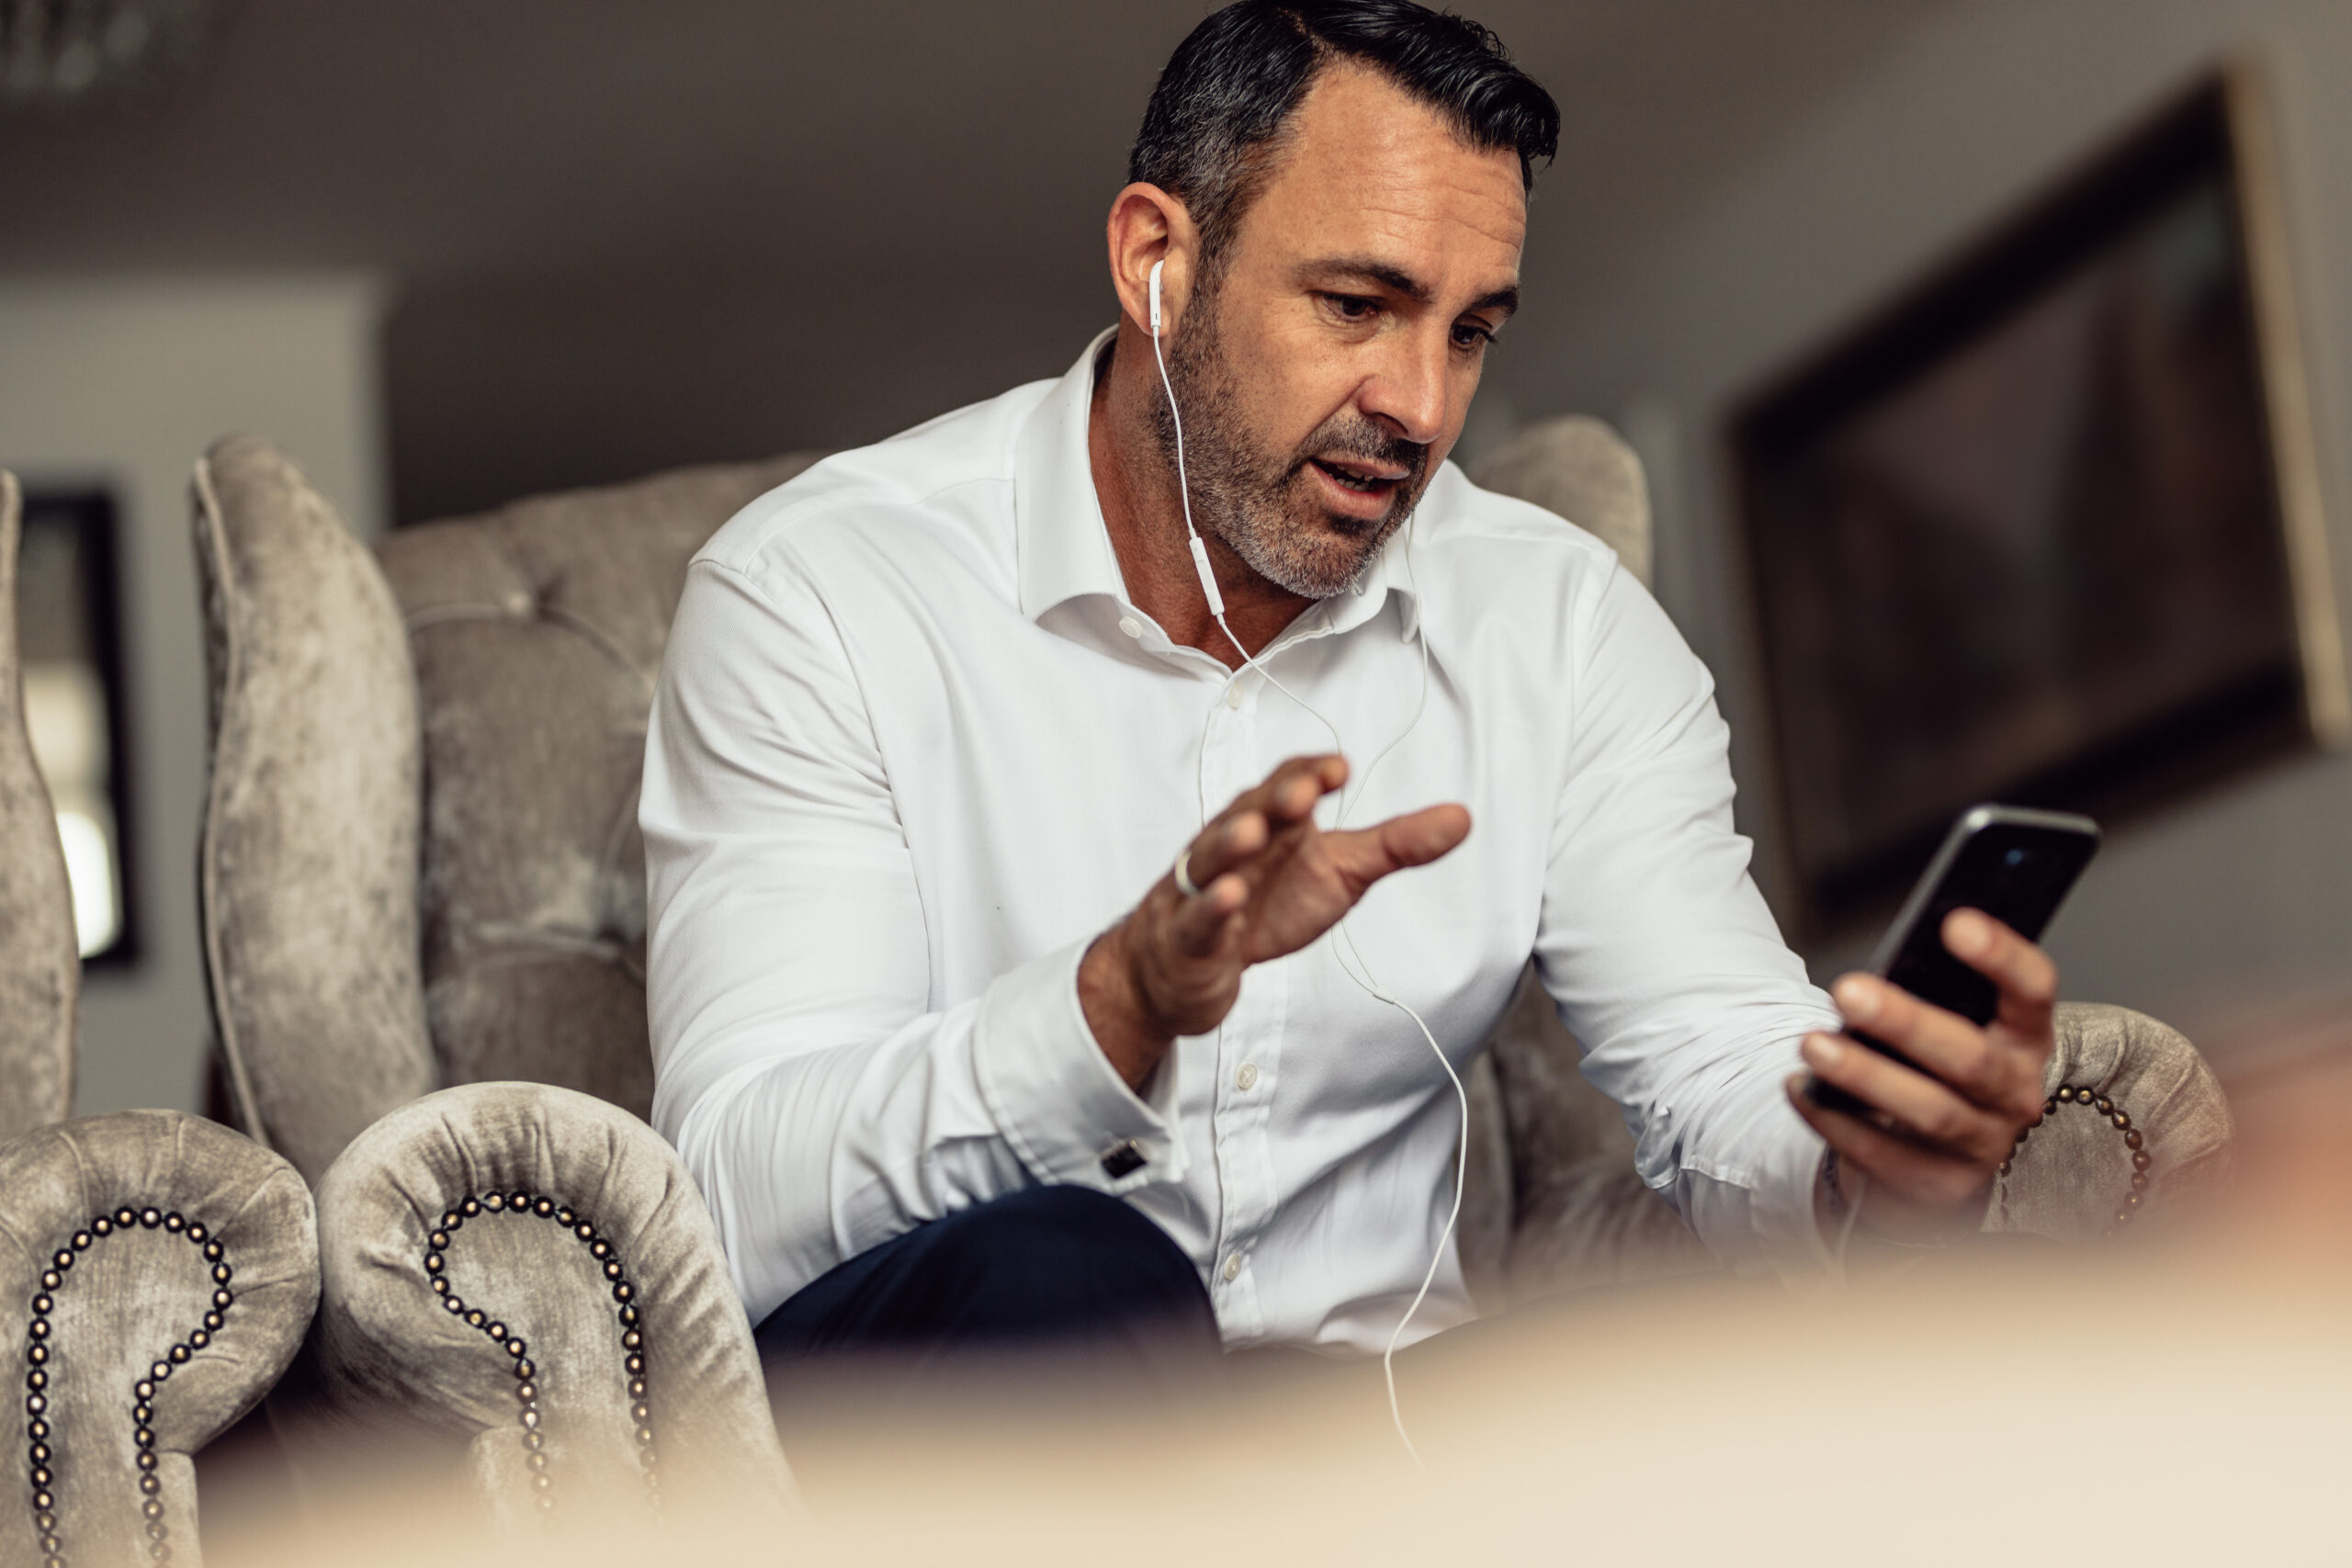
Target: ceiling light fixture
[(60, 53)]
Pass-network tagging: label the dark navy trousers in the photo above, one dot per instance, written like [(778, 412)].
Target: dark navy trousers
[(1061, 1269)]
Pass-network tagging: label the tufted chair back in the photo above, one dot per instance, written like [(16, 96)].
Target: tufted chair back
[(1578, 467), (40, 966), (537, 633), (421, 865)]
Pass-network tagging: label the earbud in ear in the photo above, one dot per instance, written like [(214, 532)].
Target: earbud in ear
[(1155, 294)]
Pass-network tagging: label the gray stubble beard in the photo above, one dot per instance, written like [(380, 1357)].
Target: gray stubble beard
[(1237, 492)]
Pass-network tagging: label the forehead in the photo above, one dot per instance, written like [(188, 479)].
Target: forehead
[(1367, 169)]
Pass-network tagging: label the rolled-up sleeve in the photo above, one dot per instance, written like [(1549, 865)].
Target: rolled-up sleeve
[(1659, 951), (821, 1102)]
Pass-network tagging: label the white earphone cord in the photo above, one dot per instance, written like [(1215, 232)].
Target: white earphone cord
[(1352, 960)]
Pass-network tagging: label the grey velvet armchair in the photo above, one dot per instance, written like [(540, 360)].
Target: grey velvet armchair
[(422, 868), (422, 904), (168, 1267)]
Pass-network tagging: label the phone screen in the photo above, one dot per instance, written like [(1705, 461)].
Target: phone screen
[(2015, 868)]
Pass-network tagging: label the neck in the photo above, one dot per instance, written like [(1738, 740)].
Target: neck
[(1143, 509)]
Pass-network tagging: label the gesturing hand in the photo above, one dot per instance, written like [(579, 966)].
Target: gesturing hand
[(1270, 882), (1944, 1123)]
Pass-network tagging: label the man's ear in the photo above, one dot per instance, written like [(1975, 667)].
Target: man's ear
[(1149, 226)]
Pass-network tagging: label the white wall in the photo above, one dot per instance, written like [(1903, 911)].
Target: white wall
[(2236, 906), (129, 381)]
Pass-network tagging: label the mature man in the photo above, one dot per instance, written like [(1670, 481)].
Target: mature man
[(955, 1056)]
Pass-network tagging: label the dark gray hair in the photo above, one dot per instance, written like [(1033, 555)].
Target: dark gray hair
[(1218, 117)]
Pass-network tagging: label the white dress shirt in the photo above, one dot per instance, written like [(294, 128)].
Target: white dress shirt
[(914, 748)]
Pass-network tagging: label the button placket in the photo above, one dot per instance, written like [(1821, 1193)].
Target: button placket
[(1227, 1121), (1248, 1162), (1250, 1039), (1236, 1119)]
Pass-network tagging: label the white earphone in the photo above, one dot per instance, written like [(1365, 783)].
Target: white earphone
[(1183, 489), (1358, 970)]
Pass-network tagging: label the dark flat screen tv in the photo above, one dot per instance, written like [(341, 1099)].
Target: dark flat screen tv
[(2045, 529)]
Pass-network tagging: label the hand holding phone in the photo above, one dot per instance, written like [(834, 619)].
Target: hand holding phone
[(1952, 1069)]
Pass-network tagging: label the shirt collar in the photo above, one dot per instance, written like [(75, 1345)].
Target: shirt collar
[(1064, 546)]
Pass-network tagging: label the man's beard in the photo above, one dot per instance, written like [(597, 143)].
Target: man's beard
[(1257, 500)]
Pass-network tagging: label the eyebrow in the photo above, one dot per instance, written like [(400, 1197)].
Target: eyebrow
[(1397, 280)]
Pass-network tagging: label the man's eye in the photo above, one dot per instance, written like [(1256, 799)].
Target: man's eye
[(1353, 307), (1469, 334)]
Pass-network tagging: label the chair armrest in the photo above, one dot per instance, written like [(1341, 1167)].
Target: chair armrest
[(2136, 1128), (531, 1272), (167, 1268), (2081, 1173)]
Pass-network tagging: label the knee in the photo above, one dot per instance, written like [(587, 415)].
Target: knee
[(1085, 1252)]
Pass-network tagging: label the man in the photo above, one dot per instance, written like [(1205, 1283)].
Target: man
[(996, 994)]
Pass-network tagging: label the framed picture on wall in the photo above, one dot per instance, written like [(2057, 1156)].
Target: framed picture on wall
[(2046, 529), (70, 638)]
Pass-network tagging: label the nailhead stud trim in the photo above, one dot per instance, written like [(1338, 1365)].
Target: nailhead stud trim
[(41, 1365), (528, 1416), (2114, 1115)]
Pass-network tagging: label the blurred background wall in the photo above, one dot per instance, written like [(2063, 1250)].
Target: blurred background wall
[(2229, 914), (446, 253)]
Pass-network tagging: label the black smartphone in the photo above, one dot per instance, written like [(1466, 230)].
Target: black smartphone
[(2015, 864)]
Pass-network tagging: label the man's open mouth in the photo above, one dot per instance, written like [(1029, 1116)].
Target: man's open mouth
[(1364, 478)]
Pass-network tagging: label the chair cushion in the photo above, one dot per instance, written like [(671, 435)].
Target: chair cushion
[(536, 633), (307, 866)]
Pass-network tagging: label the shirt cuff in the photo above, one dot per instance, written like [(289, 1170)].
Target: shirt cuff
[(1786, 1217), (1054, 1095)]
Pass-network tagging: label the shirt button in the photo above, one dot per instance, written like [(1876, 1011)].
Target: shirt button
[(1130, 626), (1232, 1270), (1246, 1078), (1233, 698)]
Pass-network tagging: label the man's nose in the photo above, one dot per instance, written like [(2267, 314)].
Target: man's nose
[(1408, 393)]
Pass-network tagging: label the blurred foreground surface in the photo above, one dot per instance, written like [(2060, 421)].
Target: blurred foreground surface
[(2182, 1402)]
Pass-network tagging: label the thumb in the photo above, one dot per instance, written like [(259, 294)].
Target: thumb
[(1415, 839)]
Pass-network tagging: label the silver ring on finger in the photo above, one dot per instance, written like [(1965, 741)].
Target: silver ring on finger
[(1185, 876)]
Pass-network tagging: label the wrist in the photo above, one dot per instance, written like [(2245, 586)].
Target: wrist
[(1111, 997)]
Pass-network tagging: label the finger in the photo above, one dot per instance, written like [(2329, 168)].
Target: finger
[(1900, 1167), (1202, 925), (1223, 845), (1417, 837), (1290, 791), (1285, 799), (1942, 1044), (2027, 979), (1927, 1108)]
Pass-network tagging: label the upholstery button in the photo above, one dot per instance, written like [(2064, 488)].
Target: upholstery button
[(1246, 1078), (518, 603), (1232, 1270), (1130, 626)]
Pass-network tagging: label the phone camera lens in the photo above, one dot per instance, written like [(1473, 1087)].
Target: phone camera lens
[(2015, 858)]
